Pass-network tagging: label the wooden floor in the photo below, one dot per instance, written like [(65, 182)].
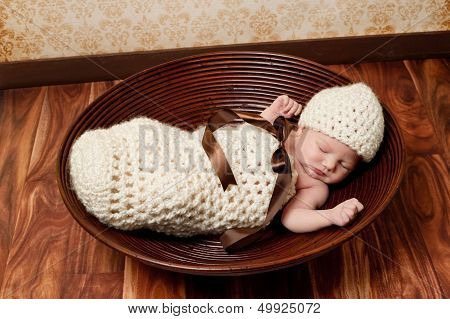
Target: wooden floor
[(403, 254)]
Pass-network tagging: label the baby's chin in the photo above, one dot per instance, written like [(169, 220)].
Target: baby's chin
[(314, 175), (322, 179), (325, 179), (328, 180)]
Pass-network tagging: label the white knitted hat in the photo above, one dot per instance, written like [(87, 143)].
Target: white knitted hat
[(351, 114)]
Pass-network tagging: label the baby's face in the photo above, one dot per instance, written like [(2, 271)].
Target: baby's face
[(323, 157)]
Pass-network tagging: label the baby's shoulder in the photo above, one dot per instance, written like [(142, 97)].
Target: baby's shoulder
[(315, 187), (316, 195)]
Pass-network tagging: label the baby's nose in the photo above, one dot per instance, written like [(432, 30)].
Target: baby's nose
[(330, 164)]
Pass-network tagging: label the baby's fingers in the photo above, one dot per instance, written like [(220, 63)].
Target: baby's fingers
[(299, 109), (283, 100), (347, 215), (357, 203), (288, 106), (293, 109), (360, 206)]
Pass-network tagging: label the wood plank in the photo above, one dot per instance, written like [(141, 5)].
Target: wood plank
[(39, 246), (432, 81), (19, 111), (426, 194), (40, 251), (429, 175), (143, 281), (103, 286)]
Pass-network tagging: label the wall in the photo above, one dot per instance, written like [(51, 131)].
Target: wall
[(37, 29)]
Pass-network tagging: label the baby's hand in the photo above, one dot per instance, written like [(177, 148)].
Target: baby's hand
[(345, 212), (285, 106)]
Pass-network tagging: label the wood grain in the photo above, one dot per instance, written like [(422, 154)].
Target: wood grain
[(411, 45), (429, 175), (41, 253), (142, 281), (395, 240), (426, 115), (432, 82), (96, 285), (403, 254), (19, 112)]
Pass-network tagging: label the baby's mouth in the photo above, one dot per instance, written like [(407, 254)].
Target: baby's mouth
[(318, 172)]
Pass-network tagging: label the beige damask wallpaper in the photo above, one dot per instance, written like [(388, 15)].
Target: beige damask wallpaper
[(35, 29)]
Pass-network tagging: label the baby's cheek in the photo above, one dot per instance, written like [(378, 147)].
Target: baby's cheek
[(341, 176), (306, 152), (316, 157)]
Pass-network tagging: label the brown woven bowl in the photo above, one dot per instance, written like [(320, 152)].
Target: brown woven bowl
[(185, 93)]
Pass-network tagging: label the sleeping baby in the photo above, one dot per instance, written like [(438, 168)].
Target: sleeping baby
[(143, 173), (339, 127)]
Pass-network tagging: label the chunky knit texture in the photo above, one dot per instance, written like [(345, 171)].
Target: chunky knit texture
[(351, 114), (136, 174)]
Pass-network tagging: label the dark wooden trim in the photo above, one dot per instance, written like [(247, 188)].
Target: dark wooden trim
[(342, 50)]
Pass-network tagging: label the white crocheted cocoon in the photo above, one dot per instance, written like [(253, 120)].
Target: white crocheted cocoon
[(146, 174)]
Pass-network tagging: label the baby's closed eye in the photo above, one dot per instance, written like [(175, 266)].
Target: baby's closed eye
[(322, 148), (344, 166)]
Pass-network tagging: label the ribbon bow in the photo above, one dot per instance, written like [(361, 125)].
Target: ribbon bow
[(237, 238)]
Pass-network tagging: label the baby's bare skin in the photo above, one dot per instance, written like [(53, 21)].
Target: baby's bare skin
[(319, 160)]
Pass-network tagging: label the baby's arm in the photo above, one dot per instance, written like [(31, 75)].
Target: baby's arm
[(281, 106), (300, 214)]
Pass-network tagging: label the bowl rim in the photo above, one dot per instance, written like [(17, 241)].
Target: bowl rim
[(223, 269)]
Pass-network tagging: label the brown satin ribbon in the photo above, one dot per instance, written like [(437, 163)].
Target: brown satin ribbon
[(237, 238)]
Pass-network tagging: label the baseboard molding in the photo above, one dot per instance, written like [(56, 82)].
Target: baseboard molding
[(344, 50)]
